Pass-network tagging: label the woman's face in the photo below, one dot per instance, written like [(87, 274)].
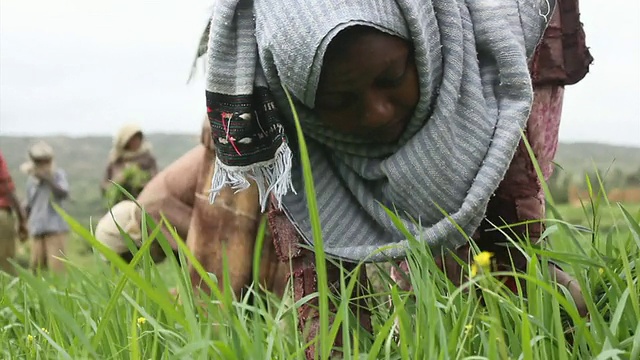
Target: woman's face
[(42, 162), (369, 85), (134, 143)]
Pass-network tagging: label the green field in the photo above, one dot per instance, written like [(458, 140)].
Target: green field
[(99, 311), (113, 310)]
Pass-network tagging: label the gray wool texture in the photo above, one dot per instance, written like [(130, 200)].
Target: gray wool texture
[(476, 96)]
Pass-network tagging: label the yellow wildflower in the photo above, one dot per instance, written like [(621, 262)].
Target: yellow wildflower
[(141, 320), (45, 331), (601, 271), (483, 259), (474, 270), (29, 338), (467, 328)]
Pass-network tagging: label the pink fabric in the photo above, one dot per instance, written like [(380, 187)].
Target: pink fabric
[(521, 183)]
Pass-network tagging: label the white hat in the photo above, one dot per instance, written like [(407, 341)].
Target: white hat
[(125, 214)]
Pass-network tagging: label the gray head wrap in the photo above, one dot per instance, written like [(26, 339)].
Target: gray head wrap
[(475, 99)]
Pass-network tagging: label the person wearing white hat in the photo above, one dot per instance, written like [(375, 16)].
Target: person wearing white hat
[(47, 184)]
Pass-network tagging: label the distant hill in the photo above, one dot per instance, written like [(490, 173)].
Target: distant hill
[(84, 159), (579, 157)]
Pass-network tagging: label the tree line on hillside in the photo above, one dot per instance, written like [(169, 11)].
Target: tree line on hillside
[(564, 185)]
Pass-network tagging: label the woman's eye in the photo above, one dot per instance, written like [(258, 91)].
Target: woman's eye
[(395, 78), (392, 80)]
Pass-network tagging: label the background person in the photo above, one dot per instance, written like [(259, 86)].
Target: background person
[(131, 164), (13, 220), (46, 185)]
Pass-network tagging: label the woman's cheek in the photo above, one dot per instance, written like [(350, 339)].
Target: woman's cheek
[(341, 122), (412, 92)]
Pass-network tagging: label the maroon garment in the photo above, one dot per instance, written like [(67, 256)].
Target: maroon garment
[(562, 57), (7, 187), (305, 280)]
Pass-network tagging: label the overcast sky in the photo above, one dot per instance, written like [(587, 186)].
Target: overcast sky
[(78, 67)]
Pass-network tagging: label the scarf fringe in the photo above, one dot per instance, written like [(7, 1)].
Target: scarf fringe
[(272, 177)]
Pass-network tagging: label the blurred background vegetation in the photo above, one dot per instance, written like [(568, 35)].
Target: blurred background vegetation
[(84, 159)]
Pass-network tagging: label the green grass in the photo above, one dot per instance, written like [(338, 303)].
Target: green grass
[(125, 311)]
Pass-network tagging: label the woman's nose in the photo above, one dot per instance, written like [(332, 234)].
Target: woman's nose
[(378, 109)]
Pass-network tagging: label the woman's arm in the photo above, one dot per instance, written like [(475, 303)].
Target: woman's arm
[(23, 232), (172, 191)]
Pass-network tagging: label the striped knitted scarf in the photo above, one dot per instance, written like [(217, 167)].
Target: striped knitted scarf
[(475, 98)]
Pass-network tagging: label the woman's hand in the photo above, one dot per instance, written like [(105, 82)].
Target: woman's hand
[(119, 179), (23, 231)]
